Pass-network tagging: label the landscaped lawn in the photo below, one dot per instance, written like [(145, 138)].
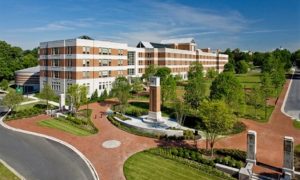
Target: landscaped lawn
[(249, 80), (6, 174), (144, 165), (260, 113), (26, 106), (64, 126)]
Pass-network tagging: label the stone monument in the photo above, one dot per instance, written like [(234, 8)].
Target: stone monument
[(251, 147), (62, 101), (154, 105), (288, 157)]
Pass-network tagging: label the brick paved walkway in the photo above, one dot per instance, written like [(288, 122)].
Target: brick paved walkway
[(109, 162)]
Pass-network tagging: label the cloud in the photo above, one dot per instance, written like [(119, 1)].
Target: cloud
[(266, 31), (61, 25), (160, 20)]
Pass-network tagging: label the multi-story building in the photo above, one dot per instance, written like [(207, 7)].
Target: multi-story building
[(96, 64)]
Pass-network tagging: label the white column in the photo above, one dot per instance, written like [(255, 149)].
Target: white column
[(251, 147), (288, 156)]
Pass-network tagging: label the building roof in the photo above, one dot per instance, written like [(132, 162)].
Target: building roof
[(145, 44), (178, 41), (33, 70)]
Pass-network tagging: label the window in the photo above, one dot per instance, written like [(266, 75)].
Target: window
[(104, 62), (55, 74), (120, 62), (130, 71), (140, 70), (104, 74), (69, 62), (105, 51), (55, 62), (69, 50), (148, 55), (56, 86), (85, 74), (86, 63), (131, 58), (120, 52), (140, 62), (86, 50), (55, 51), (68, 74)]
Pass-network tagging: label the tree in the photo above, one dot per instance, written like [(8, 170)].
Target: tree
[(137, 85), (229, 67), (296, 57), (78, 95), (168, 88), (227, 87), (195, 90), (47, 94), (242, 67), (266, 89), (94, 96), (195, 71), (149, 71), (120, 90), (211, 73), (14, 58), (217, 120), (4, 84), (180, 109), (12, 99), (256, 99)]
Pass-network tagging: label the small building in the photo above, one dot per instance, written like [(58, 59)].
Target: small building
[(28, 80)]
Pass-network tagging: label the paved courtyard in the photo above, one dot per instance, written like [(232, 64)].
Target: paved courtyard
[(109, 161)]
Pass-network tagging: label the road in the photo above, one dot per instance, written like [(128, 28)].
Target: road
[(292, 105), (37, 158)]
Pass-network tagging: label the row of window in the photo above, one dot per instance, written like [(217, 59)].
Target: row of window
[(85, 50)]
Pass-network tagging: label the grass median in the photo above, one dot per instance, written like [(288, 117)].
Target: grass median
[(144, 165), (6, 174), (64, 126)]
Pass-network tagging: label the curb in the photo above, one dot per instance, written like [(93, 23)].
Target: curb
[(12, 170), (88, 163), (286, 96)]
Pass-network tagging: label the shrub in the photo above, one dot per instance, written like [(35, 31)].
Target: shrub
[(188, 134), (234, 153)]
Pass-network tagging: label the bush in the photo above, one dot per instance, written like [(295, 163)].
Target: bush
[(234, 153), (188, 134)]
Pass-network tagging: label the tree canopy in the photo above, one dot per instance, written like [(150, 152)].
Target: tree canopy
[(14, 58), (227, 87), (12, 99), (195, 90), (78, 94), (47, 93), (217, 119), (120, 90)]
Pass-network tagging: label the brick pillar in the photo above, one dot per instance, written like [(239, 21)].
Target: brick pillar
[(154, 104)]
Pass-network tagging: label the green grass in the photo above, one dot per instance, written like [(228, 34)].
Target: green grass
[(297, 126), (249, 80), (260, 113), (26, 106), (144, 165), (6, 174), (64, 126)]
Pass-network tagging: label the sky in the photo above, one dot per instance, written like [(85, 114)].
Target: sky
[(256, 25)]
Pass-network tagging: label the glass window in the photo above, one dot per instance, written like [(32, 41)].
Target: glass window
[(55, 62)]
